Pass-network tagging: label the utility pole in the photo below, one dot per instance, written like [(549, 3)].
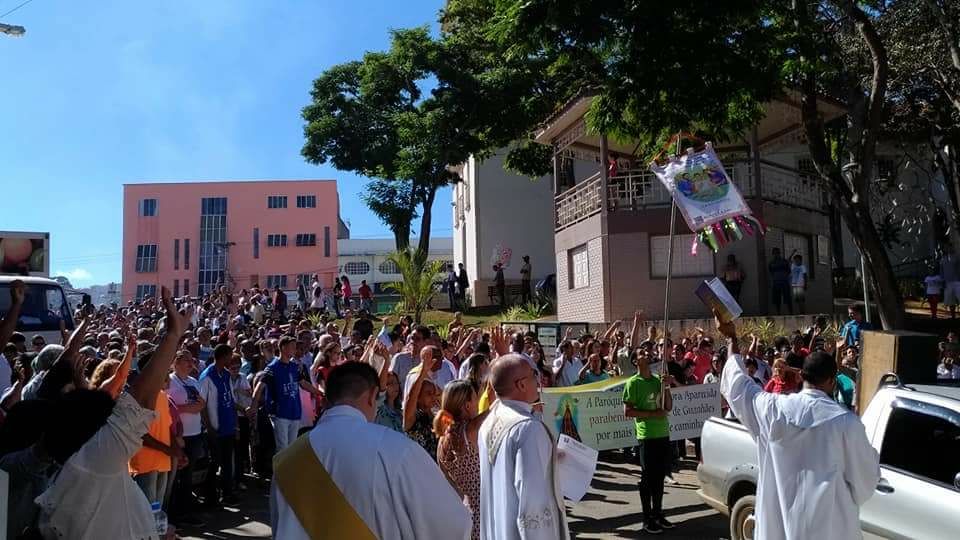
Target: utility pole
[(12, 30)]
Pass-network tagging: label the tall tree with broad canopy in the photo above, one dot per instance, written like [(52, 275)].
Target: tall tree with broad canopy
[(659, 68)]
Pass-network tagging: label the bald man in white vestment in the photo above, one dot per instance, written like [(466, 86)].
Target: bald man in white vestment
[(519, 495)]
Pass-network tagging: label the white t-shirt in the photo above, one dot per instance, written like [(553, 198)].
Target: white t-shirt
[(185, 392), (934, 285), (570, 373)]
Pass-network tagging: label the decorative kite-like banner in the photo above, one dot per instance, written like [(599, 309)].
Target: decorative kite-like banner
[(710, 203)]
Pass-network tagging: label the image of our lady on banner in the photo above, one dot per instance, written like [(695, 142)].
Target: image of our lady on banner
[(710, 203), (566, 417)]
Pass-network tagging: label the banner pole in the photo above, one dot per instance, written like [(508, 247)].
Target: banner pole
[(666, 292)]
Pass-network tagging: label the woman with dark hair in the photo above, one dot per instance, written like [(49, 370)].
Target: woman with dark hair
[(347, 292), (418, 407), (93, 437), (389, 409), (478, 367), (535, 352)]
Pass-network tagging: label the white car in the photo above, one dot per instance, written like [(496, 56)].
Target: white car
[(43, 308), (916, 430)]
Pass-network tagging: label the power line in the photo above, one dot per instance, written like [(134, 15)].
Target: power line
[(16, 8)]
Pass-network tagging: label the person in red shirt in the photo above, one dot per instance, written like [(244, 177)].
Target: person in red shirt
[(366, 296), (784, 380), (701, 358)]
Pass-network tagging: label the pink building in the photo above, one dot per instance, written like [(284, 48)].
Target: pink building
[(194, 236)]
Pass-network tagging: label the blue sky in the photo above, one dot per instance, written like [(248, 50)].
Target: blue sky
[(98, 94)]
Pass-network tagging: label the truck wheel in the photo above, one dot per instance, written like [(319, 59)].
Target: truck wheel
[(742, 521)]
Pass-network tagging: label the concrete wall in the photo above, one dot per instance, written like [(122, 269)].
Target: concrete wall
[(502, 211)]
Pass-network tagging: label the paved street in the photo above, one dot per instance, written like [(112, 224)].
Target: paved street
[(611, 509)]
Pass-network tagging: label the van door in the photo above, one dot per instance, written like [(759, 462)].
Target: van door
[(919, 490)]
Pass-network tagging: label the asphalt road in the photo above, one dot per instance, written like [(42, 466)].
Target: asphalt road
[(611, 509)]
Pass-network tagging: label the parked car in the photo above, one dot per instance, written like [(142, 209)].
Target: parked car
[(916, 430)]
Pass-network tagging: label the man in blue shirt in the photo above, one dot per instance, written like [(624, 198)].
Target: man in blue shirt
[(220, 419), (282, 381), (851, 331)]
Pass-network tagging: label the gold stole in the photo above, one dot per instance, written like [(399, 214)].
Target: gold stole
[(320, 507)]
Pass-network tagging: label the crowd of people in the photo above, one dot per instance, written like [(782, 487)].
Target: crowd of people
[(167, 407)]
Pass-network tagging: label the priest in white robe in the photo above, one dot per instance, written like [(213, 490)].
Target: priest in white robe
[(519, 494), (352, 478), (817, 466)]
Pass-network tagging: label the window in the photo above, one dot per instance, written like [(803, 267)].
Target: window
[(276, 240), (389, 267), (213, 206), (186, 253), (256, 243), (148, 207), (326, 241), (306, 201), (176, 253), (277, 281), (922, 440), (277, 201), (186, 287), (684, 264), (806, 168), (146, 291), (356, 268), (305, 279), (886, 168), (176, 288), (306, 239), (146, 258), (578, 262)]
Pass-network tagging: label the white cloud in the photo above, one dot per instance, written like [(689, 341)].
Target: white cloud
[(76, 275)]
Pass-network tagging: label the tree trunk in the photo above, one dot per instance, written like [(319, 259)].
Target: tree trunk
[(883, 282), (401, 236), (426, 219)]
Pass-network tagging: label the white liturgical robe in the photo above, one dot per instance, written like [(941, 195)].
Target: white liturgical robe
[(519, 495), (816, 464), (391, 482)]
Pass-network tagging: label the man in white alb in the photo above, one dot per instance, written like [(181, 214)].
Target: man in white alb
[(816, 464), (351, 478), (519, 494)]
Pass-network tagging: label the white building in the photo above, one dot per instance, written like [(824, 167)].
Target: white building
[(366, 259), (498, 215)]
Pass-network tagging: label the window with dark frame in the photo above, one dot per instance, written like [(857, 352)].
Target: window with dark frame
[(148, 207), (276, 240), (306, 239), (146, 258), (186, 253), (923, 444), (306, 201), (176, 253), (326, 241), (276, 201), (256, 243)]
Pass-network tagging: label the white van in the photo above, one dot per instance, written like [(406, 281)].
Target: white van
[(43, 308)]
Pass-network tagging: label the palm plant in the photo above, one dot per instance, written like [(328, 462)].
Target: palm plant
[(419, 281)]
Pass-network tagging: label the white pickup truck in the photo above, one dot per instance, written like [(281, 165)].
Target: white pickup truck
[(916, 430)]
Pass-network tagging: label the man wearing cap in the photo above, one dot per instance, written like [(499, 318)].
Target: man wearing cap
[(816, 464)]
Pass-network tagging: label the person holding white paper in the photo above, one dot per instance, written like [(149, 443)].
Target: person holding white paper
[(520, 496)]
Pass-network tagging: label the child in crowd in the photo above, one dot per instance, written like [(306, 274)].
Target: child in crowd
[(784, 380)]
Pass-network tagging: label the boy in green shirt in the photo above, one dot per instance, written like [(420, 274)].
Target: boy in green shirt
[(641, 396)]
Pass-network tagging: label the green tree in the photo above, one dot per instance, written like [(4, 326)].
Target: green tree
[(418, 283)]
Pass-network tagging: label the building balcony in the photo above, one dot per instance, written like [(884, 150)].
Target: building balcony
[(634, 190)]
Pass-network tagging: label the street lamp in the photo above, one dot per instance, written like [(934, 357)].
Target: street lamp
[(12, 30), (849, 171)]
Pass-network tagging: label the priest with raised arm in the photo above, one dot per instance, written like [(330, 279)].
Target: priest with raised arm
[(519, 494), (352, 478), (816, 465)]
